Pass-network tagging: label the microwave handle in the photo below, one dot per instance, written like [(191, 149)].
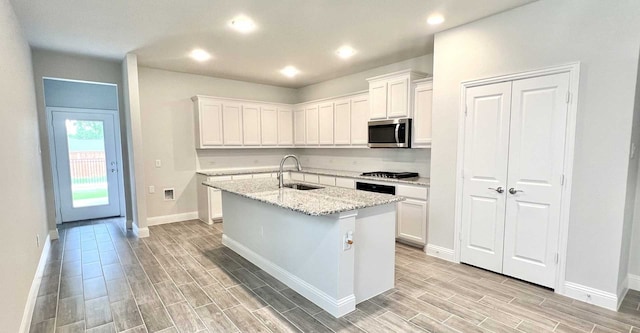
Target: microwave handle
[(398, 133)]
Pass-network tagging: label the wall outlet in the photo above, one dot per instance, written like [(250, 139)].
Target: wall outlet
[(632, 155), (168, 194), (152, 189), (158, 163)]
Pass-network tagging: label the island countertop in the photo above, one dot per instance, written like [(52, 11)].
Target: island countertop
[(324, 201)]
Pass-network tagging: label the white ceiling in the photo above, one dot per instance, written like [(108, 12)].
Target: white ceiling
[(303, 33)]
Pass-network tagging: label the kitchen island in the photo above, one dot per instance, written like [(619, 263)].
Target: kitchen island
[(334, 246)]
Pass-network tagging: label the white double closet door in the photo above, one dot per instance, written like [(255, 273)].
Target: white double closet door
[(513, 161)]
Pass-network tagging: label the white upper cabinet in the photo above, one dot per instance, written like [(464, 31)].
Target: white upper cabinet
[(208, 116), (422, 113), (251, 125), (232, 123), (311, 127), (378, 100), (299, 127), (342, 122), (391, 95), (269, 125), (285, 127), (325, 123), (360, 120)]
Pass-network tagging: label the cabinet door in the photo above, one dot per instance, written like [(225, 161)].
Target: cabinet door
[(232, 124), (412, 221), (342, 122), (210, 123), (251, 125), (422, 116), (311, 120), (299, 127), (215, 204), (398, 98), (269, 125), (359, 120), (325, 124), (378, 100), (285, 127)]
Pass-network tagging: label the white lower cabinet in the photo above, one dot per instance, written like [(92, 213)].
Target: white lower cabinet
[(345, 182), (412, 221)]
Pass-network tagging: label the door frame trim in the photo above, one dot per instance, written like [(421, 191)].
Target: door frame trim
[(54, 163), (574, 80)]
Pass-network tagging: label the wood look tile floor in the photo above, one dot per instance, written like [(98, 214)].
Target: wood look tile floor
[(182, 279)]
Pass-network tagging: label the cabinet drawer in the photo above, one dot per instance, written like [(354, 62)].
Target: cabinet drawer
[(238, 177), (218, 178), (415, 192), (311, 178), (297, 176), (345, 182), (327, 180), (261, 175)]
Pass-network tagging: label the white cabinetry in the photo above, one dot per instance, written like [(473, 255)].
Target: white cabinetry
[(285, 127), (423, 102), (325, 124), (359, 120), (269, 125), (299, 127), (251, 125), (342, 122), (311, 124), (412, 214), (232, 124), (208, 117), (391, 95)]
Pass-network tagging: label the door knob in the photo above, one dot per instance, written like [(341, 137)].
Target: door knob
[(514, 191), (498, 189)]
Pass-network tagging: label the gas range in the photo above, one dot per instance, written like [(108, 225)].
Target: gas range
[(392, 175)]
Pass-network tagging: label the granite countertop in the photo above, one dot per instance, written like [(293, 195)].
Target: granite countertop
[(325, 201), (421, 181)]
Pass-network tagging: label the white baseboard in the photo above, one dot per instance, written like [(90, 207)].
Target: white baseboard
[(172, 218), (634, 282), (590, 295), (336, 307), (140, 232), (35, 286), (440, 252), (53, 234)]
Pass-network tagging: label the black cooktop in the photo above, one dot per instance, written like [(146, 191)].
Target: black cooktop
[(394, 175)]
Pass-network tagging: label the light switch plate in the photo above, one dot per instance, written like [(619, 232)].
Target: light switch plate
[(158, 163)]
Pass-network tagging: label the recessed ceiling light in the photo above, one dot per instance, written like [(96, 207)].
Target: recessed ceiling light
[(435, 19), (243, 24), (289, 71), (200, 55), (345, 52)]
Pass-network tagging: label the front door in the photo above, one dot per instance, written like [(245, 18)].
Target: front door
[(86, 164)]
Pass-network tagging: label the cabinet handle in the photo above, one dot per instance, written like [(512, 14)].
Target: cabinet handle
[(514, 191), (498, 189)]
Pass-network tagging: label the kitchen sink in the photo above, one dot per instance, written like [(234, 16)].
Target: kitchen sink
[(302, 187)]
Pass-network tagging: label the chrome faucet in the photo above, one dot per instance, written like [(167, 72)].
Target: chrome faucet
[(280, 178)]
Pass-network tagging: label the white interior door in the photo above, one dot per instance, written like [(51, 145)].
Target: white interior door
[(486, 147), (86, 163), (534, 185)]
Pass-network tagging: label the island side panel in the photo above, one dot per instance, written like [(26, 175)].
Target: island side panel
[(304, 252), (375, 245)]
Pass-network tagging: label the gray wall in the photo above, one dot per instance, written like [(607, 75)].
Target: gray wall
[(168, 133), (22, 199), (73, 67), (632, 232), (604, 37), (358, 81)]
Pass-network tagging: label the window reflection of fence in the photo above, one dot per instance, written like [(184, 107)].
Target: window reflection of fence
[(87, 171)]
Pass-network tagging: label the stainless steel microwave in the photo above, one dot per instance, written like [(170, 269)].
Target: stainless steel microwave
[(394, 133)]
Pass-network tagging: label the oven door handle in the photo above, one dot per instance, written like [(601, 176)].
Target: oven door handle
[(398, 133)]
